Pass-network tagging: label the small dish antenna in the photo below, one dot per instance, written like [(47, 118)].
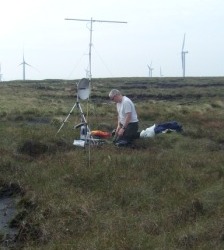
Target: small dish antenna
[(83, 92), (83, 89)]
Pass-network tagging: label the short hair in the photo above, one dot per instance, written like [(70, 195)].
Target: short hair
[(114, 92)]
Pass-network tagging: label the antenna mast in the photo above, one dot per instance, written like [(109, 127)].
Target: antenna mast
[(90, 42)]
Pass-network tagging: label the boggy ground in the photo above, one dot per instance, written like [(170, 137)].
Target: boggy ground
[(167, 192), (16, 225), (10, 214)]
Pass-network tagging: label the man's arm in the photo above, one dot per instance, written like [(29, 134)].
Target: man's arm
[(127, 120)]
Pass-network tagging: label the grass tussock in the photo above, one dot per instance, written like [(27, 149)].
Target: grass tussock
[(164, 193)]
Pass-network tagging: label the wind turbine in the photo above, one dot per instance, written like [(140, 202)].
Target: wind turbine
[(1, 72), (183, 59), (160, 72), (150, 69), (24, 67)]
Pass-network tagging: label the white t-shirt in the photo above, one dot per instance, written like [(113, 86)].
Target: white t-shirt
[(124, 107)]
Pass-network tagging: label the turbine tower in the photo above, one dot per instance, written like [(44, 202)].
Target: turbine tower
[(150, 69), (24, 67), (160, 72), (183, 59), (1, 72)]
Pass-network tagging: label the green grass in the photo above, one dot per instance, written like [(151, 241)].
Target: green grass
[(166, 193)]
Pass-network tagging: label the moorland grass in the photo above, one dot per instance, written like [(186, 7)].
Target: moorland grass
[(165, 193)]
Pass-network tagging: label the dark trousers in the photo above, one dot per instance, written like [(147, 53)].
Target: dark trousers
[(130, 133)]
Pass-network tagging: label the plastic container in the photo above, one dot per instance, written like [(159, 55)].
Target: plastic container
[(79, 143), (83, 132)]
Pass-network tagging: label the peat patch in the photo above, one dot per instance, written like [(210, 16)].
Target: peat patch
[(9, 195), (33, 148), (36, 148), (16, 224)]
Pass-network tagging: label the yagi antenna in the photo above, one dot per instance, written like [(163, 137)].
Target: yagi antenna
[(90, 42)]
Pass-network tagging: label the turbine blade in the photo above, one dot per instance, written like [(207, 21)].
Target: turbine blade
[(183, 43), (28, 64)]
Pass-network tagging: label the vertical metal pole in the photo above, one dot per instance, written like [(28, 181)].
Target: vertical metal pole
[(90, 50)]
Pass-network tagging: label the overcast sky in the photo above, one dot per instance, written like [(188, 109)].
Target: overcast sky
[(58, 49)]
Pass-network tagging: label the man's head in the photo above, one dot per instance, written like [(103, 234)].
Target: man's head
[(115, 95)]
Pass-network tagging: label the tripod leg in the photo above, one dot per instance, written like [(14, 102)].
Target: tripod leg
[(66, 118)]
